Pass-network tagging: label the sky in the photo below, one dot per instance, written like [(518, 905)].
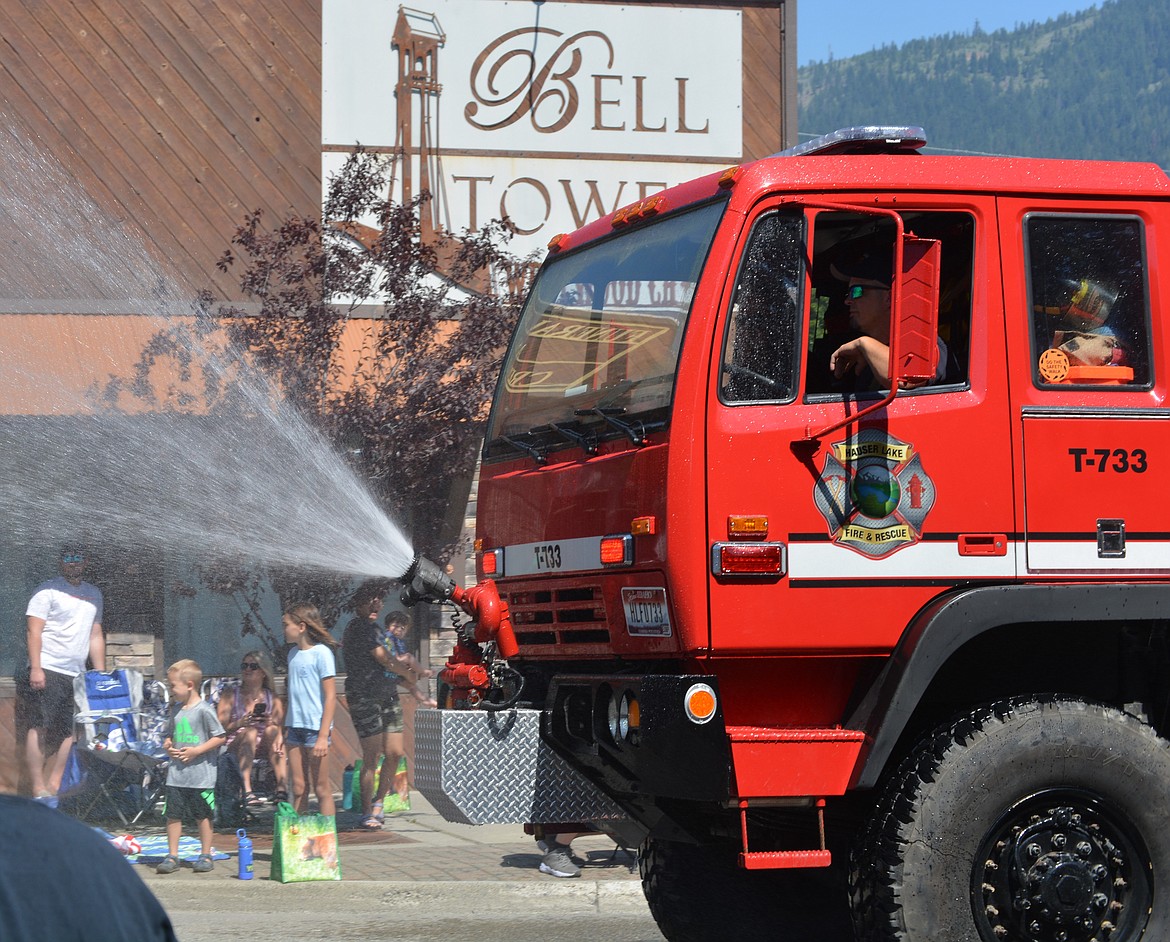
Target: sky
[(844, 28)]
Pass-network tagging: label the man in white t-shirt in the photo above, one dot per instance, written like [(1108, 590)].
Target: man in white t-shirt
[(64, 630)]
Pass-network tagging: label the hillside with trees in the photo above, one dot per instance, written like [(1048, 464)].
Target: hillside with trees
[(1094, 84)]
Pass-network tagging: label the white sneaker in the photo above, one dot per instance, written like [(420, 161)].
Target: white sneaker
[(544, 847), (558, 863)]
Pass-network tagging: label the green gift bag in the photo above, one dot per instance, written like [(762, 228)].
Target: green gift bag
[(304, 846)]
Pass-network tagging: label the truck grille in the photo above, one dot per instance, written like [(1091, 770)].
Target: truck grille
[(548, 618)]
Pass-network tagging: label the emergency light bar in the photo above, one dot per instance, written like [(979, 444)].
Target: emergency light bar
[(861, 140)]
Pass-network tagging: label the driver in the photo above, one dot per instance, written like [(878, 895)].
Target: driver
[(866, 359)]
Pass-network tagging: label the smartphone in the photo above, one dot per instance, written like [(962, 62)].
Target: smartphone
[(259, 709)]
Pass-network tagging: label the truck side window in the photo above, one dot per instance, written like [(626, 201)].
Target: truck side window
[(1088, 298), (856, 248), (759, 354)]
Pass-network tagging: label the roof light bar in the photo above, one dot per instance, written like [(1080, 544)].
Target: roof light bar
[(870, 139)]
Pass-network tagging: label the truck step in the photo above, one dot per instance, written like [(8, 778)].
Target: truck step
[(784, 859)]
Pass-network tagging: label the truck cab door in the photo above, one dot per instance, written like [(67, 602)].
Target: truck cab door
[(874, 518), (1094, 432)]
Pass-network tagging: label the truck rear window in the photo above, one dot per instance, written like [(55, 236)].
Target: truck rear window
[(1089, 303), (598, 342)]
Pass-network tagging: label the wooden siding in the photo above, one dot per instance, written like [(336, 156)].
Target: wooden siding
[(175, 116), (9, 756), (769, 118)]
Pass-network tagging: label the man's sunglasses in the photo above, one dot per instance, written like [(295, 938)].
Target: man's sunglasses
[(72, 558), (853, 292), (249, 666)]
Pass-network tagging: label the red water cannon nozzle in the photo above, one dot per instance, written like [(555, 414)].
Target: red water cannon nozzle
[(424, 581)]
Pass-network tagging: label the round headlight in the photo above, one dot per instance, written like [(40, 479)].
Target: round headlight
[(611, 718), (624, 717)]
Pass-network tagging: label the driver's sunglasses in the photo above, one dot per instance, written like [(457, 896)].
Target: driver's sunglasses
[(72, 558), (249, 666), (853, 292)]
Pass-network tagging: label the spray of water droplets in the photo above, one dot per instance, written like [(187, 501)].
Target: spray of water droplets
[(252, 483)]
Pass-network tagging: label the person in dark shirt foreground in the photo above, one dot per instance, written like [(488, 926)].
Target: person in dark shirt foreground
[(60, 880)]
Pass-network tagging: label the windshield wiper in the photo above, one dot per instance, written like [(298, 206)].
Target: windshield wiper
[(534, 453), (616, 391), (636, 432), (587, 443)]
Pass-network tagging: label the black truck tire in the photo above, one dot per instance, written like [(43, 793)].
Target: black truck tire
[(1033, 820), (699, 893)]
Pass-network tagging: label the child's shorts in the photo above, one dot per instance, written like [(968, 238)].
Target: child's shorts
[(301, 736), (189, 805)]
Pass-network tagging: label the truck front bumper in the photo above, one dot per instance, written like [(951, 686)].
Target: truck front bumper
[(657, 752)]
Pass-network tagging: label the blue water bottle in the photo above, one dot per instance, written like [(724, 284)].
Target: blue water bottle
[(347, 788), (245, 854)]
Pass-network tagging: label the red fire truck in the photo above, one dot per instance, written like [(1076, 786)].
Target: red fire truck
[(826, 503)]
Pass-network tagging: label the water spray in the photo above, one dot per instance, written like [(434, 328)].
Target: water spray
[(203, 458), (477, 672)]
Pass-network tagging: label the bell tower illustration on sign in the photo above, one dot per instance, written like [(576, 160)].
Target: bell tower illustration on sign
[(418, 38)]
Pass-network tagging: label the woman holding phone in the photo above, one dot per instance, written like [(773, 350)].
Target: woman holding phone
[(253, 717)]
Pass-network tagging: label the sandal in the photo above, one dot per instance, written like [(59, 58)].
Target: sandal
[(252, 799), (370, 823), (280, 795), (169, 864), (376, 813)]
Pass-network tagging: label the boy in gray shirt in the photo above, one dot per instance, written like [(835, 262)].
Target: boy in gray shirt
[(193, 737)]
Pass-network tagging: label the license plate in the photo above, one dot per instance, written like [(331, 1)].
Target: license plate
[(646, 612)]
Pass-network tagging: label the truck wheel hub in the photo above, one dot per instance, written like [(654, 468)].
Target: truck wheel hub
[(1053, 872)]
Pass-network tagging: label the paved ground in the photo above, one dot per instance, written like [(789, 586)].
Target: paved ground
[(418, 846), (421, 879)]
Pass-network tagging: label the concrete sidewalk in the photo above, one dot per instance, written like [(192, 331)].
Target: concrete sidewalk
[(419, 847)]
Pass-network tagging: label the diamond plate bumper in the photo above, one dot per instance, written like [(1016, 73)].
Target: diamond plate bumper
[(492, 768)]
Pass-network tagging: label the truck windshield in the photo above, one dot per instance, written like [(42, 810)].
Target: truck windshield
[(595, 354)]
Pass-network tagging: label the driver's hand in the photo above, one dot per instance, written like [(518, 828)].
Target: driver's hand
[(849, 357)]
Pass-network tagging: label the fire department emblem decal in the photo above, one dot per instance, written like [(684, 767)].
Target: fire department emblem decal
[(874, 494)]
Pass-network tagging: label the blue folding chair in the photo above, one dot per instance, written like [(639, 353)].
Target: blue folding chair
[(119, 743)]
